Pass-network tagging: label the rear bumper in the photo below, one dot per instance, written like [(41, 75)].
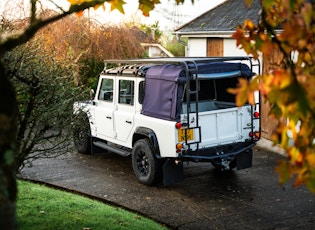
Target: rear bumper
[(208, 154)]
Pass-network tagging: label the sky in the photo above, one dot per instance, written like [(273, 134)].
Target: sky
[(167, 13)]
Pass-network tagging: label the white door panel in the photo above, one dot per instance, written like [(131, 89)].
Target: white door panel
[(104, 119)]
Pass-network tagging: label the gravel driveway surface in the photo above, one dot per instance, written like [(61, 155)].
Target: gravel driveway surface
[(206, 199)]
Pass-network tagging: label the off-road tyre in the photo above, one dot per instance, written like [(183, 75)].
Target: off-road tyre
[(82, 134), (147, 168)]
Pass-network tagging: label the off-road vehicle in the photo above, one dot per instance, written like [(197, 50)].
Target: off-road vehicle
[(166, 111)]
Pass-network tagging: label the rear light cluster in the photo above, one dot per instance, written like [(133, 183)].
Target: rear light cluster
[(255, 134), (178, 125), (256, 114), (179, 146)]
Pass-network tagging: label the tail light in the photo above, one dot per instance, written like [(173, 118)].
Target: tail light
[(178, 125), (255, 135), (179, 147), (256, 114)]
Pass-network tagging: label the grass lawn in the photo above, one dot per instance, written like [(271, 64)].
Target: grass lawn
[(40, 207)]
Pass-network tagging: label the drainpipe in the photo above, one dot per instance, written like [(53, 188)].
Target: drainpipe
[(180, 41), (183, 43)]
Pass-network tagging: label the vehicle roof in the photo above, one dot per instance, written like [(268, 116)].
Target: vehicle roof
[(176, 60), (138, 67)]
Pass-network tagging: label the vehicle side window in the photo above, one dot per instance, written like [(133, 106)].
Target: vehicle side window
[(126, 92), (106, 90), (141, 92)]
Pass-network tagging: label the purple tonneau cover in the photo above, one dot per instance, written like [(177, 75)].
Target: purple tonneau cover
[(162, 78), (164, 86)]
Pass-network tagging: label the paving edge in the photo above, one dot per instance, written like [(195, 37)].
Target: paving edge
[(269, 146)]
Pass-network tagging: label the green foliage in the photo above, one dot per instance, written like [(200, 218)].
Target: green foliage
[(8, 41), (175, 47), (89, 72), (289, 87), (39, 207), (45, 93), (153, 31)]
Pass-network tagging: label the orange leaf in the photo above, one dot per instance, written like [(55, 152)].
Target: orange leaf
[(248, 2), (283, 170), (240, 91), (80, 13), (310, 180), (311, 160), (117, 4), (147, 5), (249, 25)]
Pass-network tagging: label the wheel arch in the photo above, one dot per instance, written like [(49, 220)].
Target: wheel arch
[(143, 132)]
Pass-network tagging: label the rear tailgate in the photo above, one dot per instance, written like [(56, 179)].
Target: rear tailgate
[(220, 127)]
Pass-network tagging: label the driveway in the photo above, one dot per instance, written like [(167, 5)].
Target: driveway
[(206, 199)]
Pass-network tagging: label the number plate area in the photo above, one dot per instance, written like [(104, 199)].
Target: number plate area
[(185, 135)]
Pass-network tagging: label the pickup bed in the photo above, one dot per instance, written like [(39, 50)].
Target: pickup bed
[(166, 111)]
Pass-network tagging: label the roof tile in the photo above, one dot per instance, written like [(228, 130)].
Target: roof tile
[(225, 17)]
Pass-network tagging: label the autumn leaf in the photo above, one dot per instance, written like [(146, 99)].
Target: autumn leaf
[(79, 2), (249, 25), (268, 3), (299, 179), (310, 181), (147, 5), (248, 2), (80, 13), (283, 170), (311, 160), (243, 93), (117, 4), (239, 36)]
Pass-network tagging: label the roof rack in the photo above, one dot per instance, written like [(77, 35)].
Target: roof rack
[(175, 60)]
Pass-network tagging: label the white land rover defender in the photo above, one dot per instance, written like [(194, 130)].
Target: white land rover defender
[(166, 111)]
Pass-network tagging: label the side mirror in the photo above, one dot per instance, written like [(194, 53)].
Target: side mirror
[(92, 93)]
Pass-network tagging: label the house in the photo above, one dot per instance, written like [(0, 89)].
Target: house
[(210, 35), (156, 50), (150, 46)]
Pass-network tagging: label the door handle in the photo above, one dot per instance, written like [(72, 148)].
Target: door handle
[(108, 117), (129, 122)]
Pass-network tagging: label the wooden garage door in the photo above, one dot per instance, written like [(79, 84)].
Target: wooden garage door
[(214, 47)]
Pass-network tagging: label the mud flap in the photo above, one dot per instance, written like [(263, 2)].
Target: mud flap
[(172, 172), (244, 159)]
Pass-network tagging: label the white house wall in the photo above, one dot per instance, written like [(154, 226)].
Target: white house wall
[(196, 47), (230, 49)]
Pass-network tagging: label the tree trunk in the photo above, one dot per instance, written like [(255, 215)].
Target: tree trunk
[(8, 127)]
